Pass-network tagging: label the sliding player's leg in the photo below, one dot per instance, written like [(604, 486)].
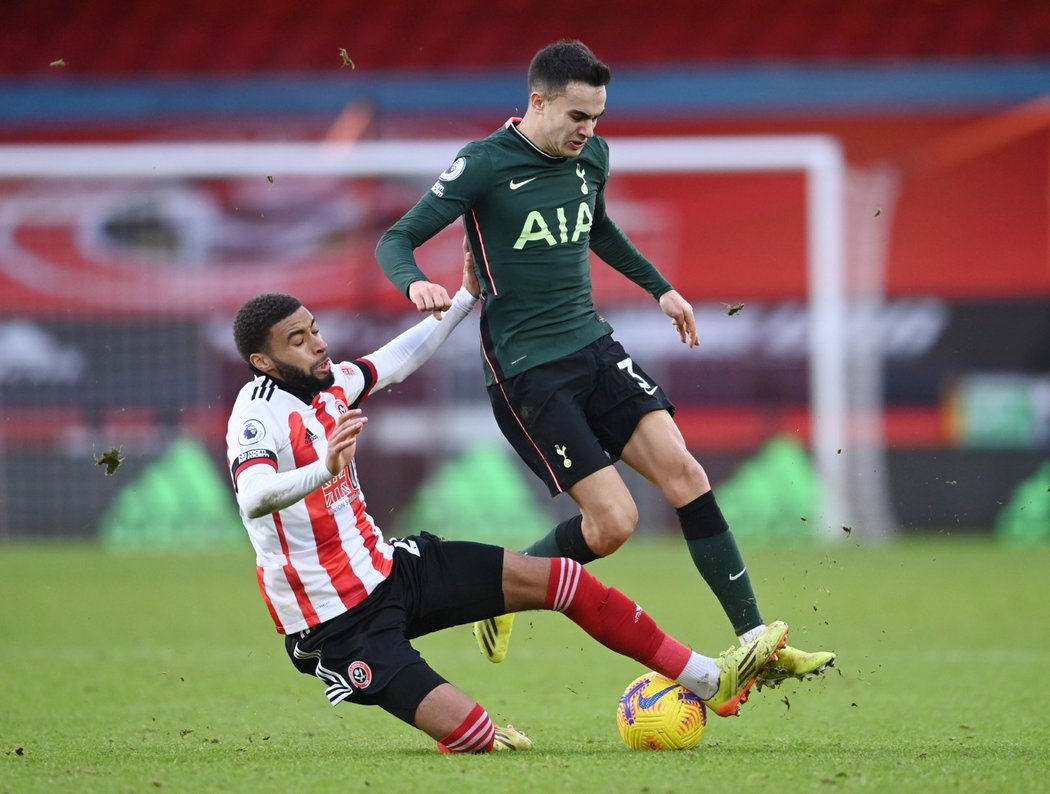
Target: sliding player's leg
[(623, 626), (448, 583)]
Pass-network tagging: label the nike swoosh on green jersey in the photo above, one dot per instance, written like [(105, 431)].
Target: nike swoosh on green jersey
[(515, 185)]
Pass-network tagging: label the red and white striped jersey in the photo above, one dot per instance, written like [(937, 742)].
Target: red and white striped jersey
[(324, 554)]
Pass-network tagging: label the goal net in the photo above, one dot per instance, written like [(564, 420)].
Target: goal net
[(121, 266)]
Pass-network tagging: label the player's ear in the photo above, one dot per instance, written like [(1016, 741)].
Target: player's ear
[(537, 101), (261, 362)]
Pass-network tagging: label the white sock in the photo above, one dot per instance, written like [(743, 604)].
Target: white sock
[(750, 634), (700, 676)]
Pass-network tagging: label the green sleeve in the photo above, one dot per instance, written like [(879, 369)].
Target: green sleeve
[(395, 249), (450, 197), (610, 243)]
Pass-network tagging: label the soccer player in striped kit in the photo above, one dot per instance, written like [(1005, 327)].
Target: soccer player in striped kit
[(566, 395), (347, 600)]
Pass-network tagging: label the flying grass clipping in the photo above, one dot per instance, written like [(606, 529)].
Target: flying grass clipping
[(733, 308), (111, 460)]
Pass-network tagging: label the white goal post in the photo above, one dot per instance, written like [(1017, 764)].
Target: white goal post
[(819, 158)]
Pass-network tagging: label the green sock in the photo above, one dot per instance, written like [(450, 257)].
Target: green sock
[(565, 540), (547, 546), (716, 556)]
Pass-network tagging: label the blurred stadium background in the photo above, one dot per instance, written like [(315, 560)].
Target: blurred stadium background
[(116, 293)]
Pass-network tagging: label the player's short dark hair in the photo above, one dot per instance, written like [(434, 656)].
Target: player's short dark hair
[(253, 321), (563, 62)]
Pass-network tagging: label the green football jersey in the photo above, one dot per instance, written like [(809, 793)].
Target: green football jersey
[(530, 220)]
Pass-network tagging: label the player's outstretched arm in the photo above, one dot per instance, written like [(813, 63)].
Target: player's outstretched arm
[(681, 313)]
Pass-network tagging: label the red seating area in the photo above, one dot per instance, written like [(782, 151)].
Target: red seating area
[(160, 37)]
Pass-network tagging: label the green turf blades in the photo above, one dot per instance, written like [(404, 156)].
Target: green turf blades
[(134, 672)]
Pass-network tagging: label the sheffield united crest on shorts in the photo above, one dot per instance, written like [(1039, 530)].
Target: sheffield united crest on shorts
[(360, 674)]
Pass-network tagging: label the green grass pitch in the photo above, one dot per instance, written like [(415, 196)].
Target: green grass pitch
[(142, 673)]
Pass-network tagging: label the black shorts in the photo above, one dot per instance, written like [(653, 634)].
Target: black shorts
[(364, 655), (570, 417)]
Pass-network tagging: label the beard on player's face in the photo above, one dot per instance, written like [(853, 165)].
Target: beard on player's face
[(302, 381)]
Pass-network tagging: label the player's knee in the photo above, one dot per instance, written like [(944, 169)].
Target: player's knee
[(612, 530), (606, 545), (694, 473), (685, 480)]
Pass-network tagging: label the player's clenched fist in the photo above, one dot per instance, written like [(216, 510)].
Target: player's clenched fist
[(429, 297), (342, 444)]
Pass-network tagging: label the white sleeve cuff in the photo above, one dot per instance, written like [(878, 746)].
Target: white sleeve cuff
[(463, 301)]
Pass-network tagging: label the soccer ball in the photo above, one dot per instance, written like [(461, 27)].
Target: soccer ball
[(655, 713)]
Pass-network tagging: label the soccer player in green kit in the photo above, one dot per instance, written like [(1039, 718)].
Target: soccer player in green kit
[(566, 395)]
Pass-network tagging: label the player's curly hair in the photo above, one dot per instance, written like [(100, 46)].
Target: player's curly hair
[(565, 61), (253, 321)]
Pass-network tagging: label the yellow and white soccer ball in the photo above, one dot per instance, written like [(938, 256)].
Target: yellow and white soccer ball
[(655, 713)]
